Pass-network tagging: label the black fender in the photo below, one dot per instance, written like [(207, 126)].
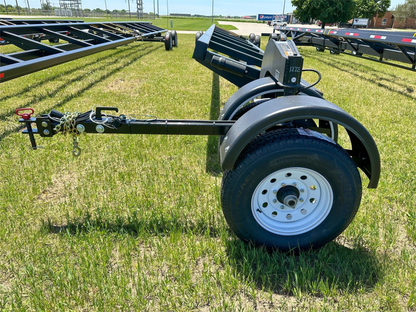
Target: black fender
[(255, 89), (276, 111)]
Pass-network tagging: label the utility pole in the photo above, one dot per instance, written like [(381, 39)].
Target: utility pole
[(212, 15), (7, 11), (106, 11), (18, 9)]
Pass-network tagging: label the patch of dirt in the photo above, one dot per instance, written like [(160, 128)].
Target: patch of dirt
[(62, 184)]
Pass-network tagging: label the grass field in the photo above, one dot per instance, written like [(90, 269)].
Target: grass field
[(135, 223)]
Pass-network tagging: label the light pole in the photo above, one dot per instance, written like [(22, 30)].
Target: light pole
[(284, 4), (212, 15), (106, 11), (18, 9)]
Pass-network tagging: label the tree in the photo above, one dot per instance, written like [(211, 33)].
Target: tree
[(327, 11), (404, 11), (369, 8)]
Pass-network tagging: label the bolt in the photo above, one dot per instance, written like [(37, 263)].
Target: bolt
[(274, 201), (46, 132), (282, 185), (301, 200), (44, 124), (99, 128), (274, 191), (302, 190), (80, 128), (294, 184), (226, 149), (282, 207)]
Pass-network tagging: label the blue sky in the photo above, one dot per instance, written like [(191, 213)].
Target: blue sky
[(203, 7)]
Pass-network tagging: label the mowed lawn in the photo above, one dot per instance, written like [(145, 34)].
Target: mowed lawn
[(135, 222)]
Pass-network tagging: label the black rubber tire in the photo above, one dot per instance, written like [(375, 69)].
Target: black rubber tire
[(54, 40), (274, 36), (198, 35), (174, 35), (251, 37), (168, 41), (320, 49), (334, 52), (257, 41), (287, 148)]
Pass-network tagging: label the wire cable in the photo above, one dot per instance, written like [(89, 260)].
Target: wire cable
[(315, 83)]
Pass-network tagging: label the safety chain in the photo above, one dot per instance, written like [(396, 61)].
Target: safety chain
[(67, 125)]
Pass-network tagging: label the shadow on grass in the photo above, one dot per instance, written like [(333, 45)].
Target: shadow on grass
[(63, 100), (54, 75), (212, 160), (158, 224), (322, 272)]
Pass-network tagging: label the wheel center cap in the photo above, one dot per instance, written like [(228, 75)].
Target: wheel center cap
[(288, 196)]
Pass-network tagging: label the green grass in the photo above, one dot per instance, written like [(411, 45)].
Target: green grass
[(179, 23), (135, 223)]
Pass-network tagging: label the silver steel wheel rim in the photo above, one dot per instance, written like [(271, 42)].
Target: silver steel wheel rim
[(314, 201)]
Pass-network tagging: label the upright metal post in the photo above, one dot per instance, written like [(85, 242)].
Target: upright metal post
[(106, 11), (284, 4), (154, 9), (7, 11), (128, 2), (158, 8), (212, 15), (27, 7), (17, 5)]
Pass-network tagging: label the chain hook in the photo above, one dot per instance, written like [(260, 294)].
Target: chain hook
[(76, 151)]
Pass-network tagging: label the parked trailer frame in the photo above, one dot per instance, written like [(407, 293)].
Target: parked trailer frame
[(82, 39), (286, 184), (384, 45)]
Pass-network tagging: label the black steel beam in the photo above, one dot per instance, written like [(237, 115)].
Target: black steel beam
[(385, 45), (82, 39)]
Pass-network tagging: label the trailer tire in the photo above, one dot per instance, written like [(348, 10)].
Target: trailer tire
[(274, 36), (291, 191), (198, 35), (257, 41), (252, 37), (168, 41), (174, 35), (319, 49), (54, 40)]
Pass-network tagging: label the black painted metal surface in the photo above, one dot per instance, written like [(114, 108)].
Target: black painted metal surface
[(77, 40)]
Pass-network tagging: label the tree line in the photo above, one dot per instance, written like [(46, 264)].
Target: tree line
[(335, 11)]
